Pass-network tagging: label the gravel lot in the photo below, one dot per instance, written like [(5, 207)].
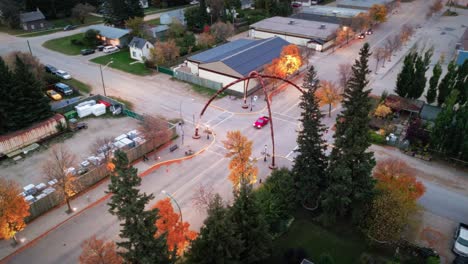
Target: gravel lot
[(28, 170)]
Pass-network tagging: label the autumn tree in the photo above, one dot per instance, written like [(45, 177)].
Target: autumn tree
[(13, 209), (406, 32), (155, 129), (360, 22), (290, 59), (344, 73), (329, 93), (81, 11), (32, 63), (434, 8), (274, 69), (137, 224), (136, 26), (378, 13), (99, 251), (206, 40), (165, 52), (178, 234), (240, 151), (59, 167), (398, 191), (382, 111), (222, 31)]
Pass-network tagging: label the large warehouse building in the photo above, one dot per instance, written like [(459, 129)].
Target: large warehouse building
[(235, 60), (328, 14), (316, 35), (361, 4)]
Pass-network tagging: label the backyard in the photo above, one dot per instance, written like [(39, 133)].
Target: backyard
[(122, 61), (64, 45)]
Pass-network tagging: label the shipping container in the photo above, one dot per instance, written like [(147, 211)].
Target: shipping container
[(27, 136)]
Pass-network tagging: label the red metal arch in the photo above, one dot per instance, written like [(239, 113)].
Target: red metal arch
[(260, 78)]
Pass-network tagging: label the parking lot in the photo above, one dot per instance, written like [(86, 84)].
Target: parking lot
[(29, 169)]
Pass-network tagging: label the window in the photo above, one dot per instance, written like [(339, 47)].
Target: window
[(33, 27), (147, 46), (134, 54), (42, 25)]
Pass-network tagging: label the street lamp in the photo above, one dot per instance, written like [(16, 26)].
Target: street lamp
[(208, 10), (174, 200), (102, 76)]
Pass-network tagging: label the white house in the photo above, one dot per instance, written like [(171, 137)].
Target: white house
[(144, 3), (140, 49)]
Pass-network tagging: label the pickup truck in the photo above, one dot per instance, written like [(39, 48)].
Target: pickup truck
[(460, 245)]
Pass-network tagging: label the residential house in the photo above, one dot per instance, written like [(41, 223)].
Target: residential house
[(112, 36), (167, 18), (140, 49), (158, 32), (34, 20)]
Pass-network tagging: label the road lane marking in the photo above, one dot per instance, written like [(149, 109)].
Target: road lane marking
[(292, 151)]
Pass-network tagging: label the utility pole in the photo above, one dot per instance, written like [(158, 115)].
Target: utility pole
[(29, 46)]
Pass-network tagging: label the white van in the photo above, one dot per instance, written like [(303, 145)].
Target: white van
[(109, 49)]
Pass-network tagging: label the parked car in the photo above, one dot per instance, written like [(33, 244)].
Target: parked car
[(261, 122), (369, 31), (296, 4), (50, 69), (86, 51), (362, 36), (460, 245), (110, 49), (63, 88), (194, 2), (54, 95), (69, 27), (63, 74)]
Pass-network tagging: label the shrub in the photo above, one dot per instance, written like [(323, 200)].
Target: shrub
[(76, 42), (377, 139), (51, 79)]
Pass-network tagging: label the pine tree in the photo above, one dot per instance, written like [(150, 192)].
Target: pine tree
[(115, 12), (31, 104), (248, 222), (461, 82), (433, 82), (441, 132), (217, 242), (419, 80), (406, 76), (446, 84), (138, 228), (7, 103), (310, 165), (350, 181)]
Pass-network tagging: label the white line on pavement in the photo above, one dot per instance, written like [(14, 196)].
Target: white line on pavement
[(220, 122), (292, 151)]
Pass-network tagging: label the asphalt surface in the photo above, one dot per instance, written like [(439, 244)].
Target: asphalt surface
[(159, 95)]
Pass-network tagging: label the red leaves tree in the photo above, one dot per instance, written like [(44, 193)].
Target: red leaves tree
[(13, 209), (98, 251), (169, 222)]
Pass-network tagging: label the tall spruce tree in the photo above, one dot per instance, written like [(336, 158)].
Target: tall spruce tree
[(446, 84), (441, 133), (138, 228), (7, 103), (406, 76), (31, 104), (217, 241), (351, 186), (419, 80), (309, 171), (115, 12), (433, 82), (248, 222)]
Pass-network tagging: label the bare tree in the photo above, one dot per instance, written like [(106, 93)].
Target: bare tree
[(99, 251), (103, 146), (33, 63), (406, 32), (202, 198), (306, 53), (360, 22), (222, 31), (58, 167), (344, 72), (81, 11), (379, 54), (155, 129)]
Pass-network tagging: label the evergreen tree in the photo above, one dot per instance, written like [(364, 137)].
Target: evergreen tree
[(310, 165), (433, 82), (217, 242), (248, 222), (6, 101), (115, 12), (138, 228), (461, 82), (350, 181), (441, 132), (406, 76), (419, 80), (31, 104), (446, 85)]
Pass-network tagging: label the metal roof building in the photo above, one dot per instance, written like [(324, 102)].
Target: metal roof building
[(361, 4), (111, 35), (328, 14), (313, 34)]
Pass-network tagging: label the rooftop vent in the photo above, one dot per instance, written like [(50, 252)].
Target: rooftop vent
[(291, 22), (322, 26)]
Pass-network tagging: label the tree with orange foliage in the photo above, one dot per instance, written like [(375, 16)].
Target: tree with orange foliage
[(240, 150), (398, 191), (178, 234), (273, 69), (290, 59), (329, 94), (382, 111), (378, 13), (98, 251), (13, 209)]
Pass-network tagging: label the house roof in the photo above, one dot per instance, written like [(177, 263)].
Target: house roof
[(398, 103), (110, 32), (138, 43), (464, 40), (297, 27), (331, 11), (160, 28), (31, 16), (243, 56), (462, 57), (219, 52), (364, 4), (429, 112)]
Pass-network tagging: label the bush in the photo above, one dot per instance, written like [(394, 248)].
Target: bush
[(377, 139), (51, 79), (76, 42)]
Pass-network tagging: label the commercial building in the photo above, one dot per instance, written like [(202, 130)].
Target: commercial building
[(362, 4), (234, 60), (328, 14), (315, 35)]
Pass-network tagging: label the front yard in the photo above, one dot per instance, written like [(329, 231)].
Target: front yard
[(64, 45), (121, 61)]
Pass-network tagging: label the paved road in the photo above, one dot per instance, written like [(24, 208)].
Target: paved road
[(158, 94)]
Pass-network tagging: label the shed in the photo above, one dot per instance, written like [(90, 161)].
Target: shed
[(167, 17), (429, 112), (112, 35), (158, 31), (140, 49), (401, 104), (34, 20)]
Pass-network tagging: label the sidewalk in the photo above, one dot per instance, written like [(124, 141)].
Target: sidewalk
[(56, 217)]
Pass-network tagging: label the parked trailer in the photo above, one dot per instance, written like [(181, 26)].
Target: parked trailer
[(16, 140)]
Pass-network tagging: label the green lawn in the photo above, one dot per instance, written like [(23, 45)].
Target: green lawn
[(206, 91), (154, 10), (82, 87), (122, 62), (153, 22), (63, 45)]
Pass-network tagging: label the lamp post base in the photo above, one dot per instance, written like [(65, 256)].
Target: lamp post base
[(272, 167), (245, 106), (196, 135)]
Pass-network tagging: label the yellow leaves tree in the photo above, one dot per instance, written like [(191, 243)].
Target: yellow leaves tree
[(165, 52), (290, 59), (98, 251), (382, 111), (178, 233), (206, 40), (13, 209), (241, 166), (57, 167), (378, 13), (329, 94)]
